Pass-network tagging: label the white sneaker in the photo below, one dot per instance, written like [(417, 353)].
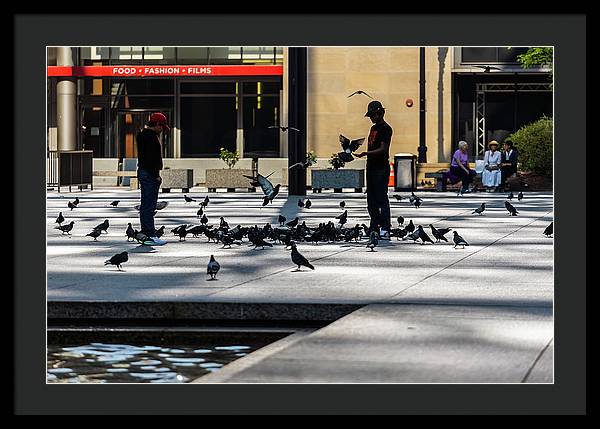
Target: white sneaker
[(154, 241)]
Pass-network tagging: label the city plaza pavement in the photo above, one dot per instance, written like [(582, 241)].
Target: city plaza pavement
[(431, 313)]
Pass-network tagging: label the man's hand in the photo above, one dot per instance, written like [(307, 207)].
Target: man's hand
[(360, 155)]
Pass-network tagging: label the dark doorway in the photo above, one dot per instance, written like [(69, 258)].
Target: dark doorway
[(92, 128), (128, 124)]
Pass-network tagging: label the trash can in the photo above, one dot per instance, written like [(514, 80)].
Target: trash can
[(405, 172)]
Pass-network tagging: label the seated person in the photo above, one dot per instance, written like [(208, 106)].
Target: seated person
[(490, 177), (459, 168), (508, 164)]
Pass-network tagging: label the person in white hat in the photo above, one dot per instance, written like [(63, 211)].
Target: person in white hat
[(491, 175)]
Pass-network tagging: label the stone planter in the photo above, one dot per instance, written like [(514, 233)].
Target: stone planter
[(337, 179), (229, 178), (177, 178)]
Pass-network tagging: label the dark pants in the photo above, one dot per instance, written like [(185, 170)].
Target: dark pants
[(149, 185), (377, 199), (506, 172), (465, 178)]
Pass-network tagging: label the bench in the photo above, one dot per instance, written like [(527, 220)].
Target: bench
[(441, 176)]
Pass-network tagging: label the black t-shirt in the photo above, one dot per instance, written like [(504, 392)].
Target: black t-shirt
[(149, 151), (379, 134)]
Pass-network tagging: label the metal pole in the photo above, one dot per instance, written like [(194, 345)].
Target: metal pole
[(66, 92), (422, 144), (297, 119)]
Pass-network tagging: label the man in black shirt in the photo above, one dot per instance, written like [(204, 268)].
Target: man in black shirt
[(508, 161), (378, 170), (149, 166)]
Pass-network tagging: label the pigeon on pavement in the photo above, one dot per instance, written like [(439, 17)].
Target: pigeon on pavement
[(373, 240), (130, 232), (298, 259), (95, 233), (511, 209), (459, 241), (188, 199), (520, 196), (115, 203), (281, 220), (60, 219), (439, 233), (213, 268), (103, 226), (117, 260), (66, 228), (479, 210), (423, 236)]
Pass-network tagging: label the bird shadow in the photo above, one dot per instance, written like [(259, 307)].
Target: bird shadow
[(142, 248), (212, 280)]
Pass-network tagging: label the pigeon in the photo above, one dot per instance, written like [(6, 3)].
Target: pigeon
[(549, 229), (206, 201), (307, 204), (352, 234), (213, 268), (479, 210), (398, 197), (423, 236), (115, 203), (511, 210), (281, 220), (267, 187), (117, 260), (66, 228), (459, 241), (76, 201), (182, 232), (348, 147), (60, 219), (95, 234), (486, 69), (400, 220), (510, 196), (103, 226), (298, 259), (188, 199), (398, 233), (300, 203), (439, 233), (359, 92), (373, 240), (520, 196), (228, 241), (257, 241), (343, 218), (71, 205), (414, 236), (130, 232), (410, 227), (223, 224), (177, 228), (204, 219), (417, 202), (284, 129), (196, 230), (160, 231), (303, 165), (292, 223), (342, 204)]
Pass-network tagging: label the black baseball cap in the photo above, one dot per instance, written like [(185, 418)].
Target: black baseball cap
[(374, 107)]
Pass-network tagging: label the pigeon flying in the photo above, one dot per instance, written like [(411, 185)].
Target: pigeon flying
[(459, 241), (212, 268), (115, 203), (117, 260), (479, 210), (348, 147), (359, 92)]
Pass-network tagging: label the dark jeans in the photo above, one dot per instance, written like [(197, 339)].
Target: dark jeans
[(465, 178), (377, 199), (149, 185), (506, 172)]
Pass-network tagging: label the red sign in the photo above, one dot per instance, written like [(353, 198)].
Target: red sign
[(166, 70)]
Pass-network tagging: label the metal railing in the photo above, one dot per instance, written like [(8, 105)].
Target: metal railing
[(69, 168), (52, 168)]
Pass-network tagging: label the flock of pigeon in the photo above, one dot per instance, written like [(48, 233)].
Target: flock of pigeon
[(287, 233)]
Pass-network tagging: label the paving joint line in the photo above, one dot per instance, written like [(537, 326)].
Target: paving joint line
[(537, 359)]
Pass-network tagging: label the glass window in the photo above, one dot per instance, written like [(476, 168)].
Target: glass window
[(263, 87), (509, 55), (479, 55), (207, 124), (141, 102), (260, 112), (192, 55), (126, 54), (51, 55), (159, 55), (224, 55), (208, 87), (147, 86)]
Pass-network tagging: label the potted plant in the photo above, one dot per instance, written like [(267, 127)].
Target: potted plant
[(337, 177), (230, 178)]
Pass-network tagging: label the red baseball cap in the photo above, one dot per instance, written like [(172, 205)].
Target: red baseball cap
[(160, 119)]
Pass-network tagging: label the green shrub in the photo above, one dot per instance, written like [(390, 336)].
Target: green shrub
[(534, 143), (230, 158)]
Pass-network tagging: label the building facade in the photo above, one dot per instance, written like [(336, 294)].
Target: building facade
[(99, 97)]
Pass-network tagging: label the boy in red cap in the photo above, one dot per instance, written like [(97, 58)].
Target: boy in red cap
[(149, 166)]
